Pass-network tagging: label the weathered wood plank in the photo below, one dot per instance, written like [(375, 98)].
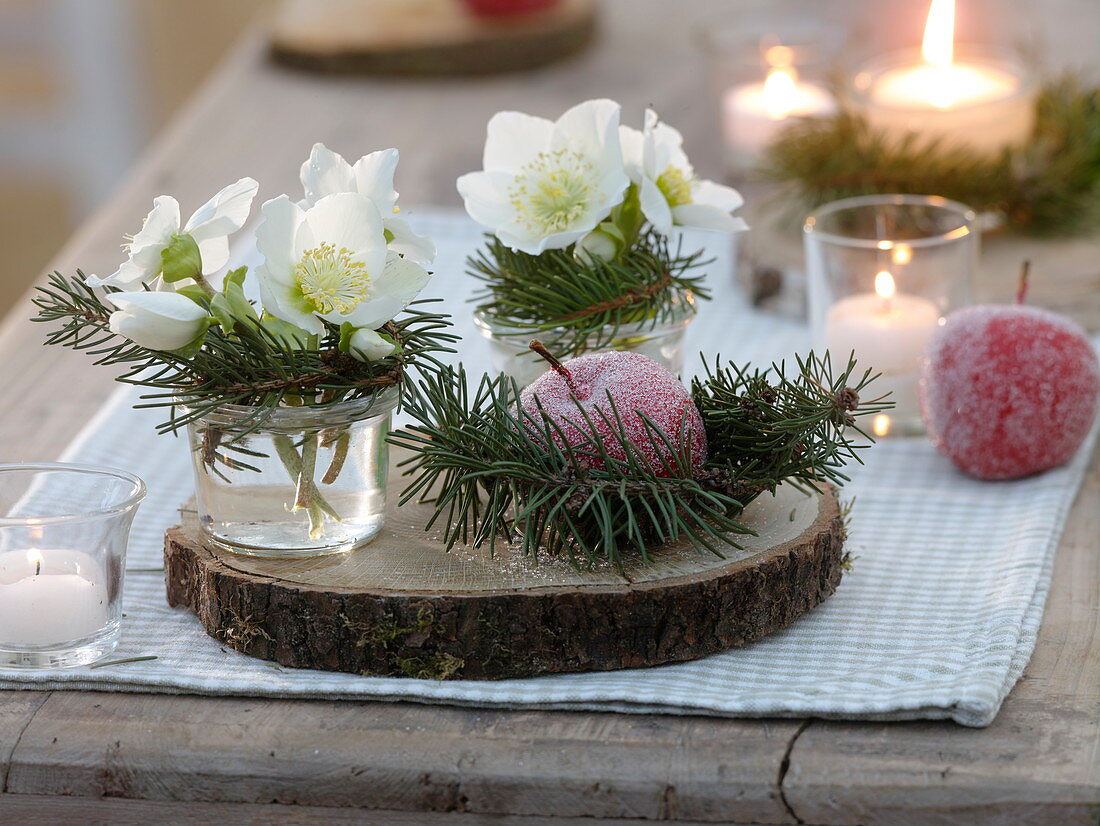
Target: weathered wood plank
[(1039, 762), (17, 709), (403, 757), (33, 810)]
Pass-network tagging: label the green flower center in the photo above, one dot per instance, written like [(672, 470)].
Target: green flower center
[(675, 186), (553, 191), (330, 280)]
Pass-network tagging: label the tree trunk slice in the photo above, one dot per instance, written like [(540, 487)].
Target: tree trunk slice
[(425, 38), (403, 606)]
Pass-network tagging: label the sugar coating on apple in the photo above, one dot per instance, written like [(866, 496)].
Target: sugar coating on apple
[(1009, 391), (637, 385)]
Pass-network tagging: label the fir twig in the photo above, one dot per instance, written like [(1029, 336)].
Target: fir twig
[(580, 303), (495, 471), (1050, 186)]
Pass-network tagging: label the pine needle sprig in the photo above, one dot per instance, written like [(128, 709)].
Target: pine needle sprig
[(497, 473), (252, 367), (583, 299), (1049, 186)]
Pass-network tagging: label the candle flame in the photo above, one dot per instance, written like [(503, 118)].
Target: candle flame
[(34, 557), (884, 285), (780, 92), (880, 425), (938, 46), (901, 254)]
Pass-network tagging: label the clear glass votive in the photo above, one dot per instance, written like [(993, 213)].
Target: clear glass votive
[(883, 271), (63, 534), (766, 69), (662, 341), (310, 481)]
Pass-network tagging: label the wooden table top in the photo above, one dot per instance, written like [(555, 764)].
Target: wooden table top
[(136, 757)]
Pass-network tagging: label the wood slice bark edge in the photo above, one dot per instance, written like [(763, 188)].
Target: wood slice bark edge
[(510, 633)]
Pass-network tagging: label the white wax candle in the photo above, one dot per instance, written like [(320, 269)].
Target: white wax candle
[(888, 335), (753, 113), (962, 104), (50, 596)]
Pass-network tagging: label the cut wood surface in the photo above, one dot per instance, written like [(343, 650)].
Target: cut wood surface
[(405, 606), (1038, 763), (425, 38)]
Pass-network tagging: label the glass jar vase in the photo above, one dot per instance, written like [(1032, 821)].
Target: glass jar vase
[(308, 481), (662, 340)]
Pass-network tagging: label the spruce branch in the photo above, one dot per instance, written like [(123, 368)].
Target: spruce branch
[(498, 473), (1049, 186), (585, 300)]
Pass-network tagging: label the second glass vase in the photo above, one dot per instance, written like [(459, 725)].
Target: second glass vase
[(309, 481)]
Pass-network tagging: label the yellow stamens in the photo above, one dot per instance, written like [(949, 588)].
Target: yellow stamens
[(330, 280), (553, 191), (675, 186)]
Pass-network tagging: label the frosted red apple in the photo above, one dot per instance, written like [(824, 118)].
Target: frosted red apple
[(1008, 391), (637, 384)]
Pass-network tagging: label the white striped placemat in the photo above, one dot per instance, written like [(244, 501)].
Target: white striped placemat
[(937, 619)]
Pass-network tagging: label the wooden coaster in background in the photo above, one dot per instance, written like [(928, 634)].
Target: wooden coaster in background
[(425, 37)]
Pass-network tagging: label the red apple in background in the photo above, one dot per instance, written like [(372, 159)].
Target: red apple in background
[(637, 384), (1009, 390), (507, 8)]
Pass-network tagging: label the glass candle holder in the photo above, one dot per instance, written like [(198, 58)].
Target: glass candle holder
[(63, 534), (982, 100), (765, 70), (883, 271)]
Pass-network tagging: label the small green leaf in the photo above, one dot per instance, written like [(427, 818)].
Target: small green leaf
[(347, 330), (222, 312), (195, 293), (180, 259), (292, 335)]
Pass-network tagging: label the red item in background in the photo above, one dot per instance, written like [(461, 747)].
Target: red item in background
[(1008, 391), (507, 8)]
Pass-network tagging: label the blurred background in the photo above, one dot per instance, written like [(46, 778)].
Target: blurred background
[(87, 85), (84, 86)]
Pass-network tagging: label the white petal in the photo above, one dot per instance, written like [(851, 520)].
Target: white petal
[(128, 275), (160, 225), (373, 176), (485, 195), (670, 149), (725, 198), (417, 248), (367, 345), (707, 217), (349, 220), (325, 173), (275, 236), (400, 283), (214, 252), (281, 299), (159, 321), (512, 139), (632, 142), (592, 127), (225, 213), (655, 206)]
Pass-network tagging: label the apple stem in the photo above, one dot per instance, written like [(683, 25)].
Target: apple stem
[(540, 348), (1021, 291)]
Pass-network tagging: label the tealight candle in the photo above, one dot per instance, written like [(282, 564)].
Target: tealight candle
[(984, 104), (50, 596), (888, 332), (753, 113)]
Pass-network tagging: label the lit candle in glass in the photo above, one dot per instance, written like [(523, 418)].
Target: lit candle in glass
[(882, 272), (982, 101), (50, 596)]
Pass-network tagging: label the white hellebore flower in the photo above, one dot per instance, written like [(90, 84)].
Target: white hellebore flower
[(668, 191), (210, 227), (547, 184), (326, 173), (367, 345), (159, 321), (331, 261)]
